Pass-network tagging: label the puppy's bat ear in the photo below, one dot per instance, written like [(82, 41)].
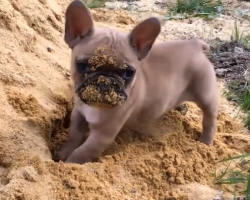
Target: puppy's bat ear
[(143, 36), (78, 22)]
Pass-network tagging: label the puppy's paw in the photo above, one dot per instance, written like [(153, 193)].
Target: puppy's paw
[(65, 153), (206, 141), (76, 157), (80, 157)]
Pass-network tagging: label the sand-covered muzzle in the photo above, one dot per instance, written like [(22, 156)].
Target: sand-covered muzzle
[(102, 90), (103, 84)]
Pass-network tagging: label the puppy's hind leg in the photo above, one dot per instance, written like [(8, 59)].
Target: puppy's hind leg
[(210, 111), (206, 98)]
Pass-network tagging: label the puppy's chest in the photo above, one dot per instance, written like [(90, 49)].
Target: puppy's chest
[(145, 115), (92, 115), (152, 109)]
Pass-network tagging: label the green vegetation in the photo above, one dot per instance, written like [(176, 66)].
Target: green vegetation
[(239, 91), (94, 3), (202, 8), (239, 175)]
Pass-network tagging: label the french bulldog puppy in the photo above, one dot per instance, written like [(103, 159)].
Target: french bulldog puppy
[(130, 79)]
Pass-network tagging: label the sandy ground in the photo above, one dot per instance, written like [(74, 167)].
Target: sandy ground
[(35, 106)]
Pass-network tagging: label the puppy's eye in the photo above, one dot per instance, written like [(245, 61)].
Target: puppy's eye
[(128, 74), (81, 66)]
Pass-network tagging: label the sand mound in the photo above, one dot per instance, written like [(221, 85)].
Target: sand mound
[(34, 116)]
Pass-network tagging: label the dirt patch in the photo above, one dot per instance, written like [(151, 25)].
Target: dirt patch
[(231, 60), (36, 100)]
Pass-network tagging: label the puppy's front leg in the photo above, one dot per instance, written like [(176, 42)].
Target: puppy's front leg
[(99, 139), (77, 132)]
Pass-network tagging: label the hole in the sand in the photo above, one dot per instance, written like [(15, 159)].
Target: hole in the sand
[(5, 181), (60, 131), (59, 135), (66, 121)]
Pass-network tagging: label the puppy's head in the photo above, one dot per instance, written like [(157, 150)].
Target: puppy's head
[(105, 63)]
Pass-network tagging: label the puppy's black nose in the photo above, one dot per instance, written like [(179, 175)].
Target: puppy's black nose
[(104, 88)]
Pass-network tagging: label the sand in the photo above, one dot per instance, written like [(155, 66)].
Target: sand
[(36, 101)]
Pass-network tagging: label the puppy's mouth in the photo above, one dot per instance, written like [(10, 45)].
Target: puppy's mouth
[(102, 90)]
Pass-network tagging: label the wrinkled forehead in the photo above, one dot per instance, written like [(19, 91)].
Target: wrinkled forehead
[(105, 47)]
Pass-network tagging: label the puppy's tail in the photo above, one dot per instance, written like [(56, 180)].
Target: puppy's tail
[(203, 44)]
